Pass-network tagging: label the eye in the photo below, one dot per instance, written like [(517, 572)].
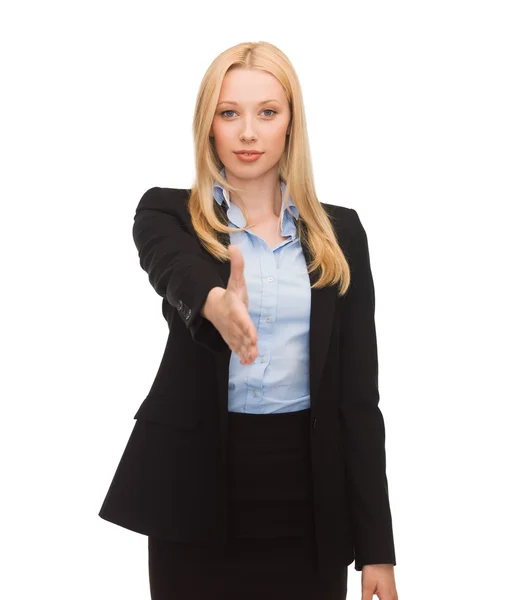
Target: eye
[(232, 111)]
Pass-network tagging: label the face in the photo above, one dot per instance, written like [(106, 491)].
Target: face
[(252, 113)]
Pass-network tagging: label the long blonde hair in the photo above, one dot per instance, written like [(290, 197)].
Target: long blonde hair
[(295, 167)]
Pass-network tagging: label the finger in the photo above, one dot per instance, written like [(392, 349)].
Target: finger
[(239, 341), (243, 325), (247, 353), (250, 350), (366, 593), (249, 330)]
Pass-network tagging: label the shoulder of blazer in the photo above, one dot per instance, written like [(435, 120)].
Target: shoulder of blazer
[(346, 224), (171, 201)]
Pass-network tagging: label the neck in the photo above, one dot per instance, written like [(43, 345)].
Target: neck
[(259, 197)]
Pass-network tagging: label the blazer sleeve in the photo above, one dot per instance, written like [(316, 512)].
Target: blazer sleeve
[(362, 423), (173, 258)]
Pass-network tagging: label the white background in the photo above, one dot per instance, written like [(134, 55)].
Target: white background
[(415, 120)]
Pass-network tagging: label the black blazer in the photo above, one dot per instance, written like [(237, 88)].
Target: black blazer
[(170, 480)]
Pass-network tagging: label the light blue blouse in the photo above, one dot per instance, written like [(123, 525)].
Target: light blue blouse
[(278, 288)]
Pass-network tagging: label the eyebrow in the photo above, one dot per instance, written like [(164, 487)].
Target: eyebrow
[(236, 103)]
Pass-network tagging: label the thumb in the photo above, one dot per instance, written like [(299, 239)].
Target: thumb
[(367, 592), (236, 278)]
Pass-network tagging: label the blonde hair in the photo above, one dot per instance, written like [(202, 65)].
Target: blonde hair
[(295, 167)]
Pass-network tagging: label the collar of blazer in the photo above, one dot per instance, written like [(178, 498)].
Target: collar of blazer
[(323, 308)]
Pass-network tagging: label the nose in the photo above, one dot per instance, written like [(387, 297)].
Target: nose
[(247, 130)]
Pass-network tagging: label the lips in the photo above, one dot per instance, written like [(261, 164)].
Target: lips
[(249, 158), (248, 152)]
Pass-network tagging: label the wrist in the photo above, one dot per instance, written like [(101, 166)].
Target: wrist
[(214, 295)]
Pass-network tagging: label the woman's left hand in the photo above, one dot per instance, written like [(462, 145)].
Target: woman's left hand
[(379, 580)]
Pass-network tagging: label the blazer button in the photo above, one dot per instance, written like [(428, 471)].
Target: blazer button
[(179, 305), (314, 423)]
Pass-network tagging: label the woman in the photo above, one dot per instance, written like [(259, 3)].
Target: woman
[(256, 466)]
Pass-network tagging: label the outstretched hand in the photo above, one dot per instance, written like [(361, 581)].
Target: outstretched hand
[(230, 313)]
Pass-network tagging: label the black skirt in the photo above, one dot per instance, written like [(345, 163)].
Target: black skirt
[(271, 551)]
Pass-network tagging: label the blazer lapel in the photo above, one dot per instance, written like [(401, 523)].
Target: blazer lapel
[(323, 304)]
